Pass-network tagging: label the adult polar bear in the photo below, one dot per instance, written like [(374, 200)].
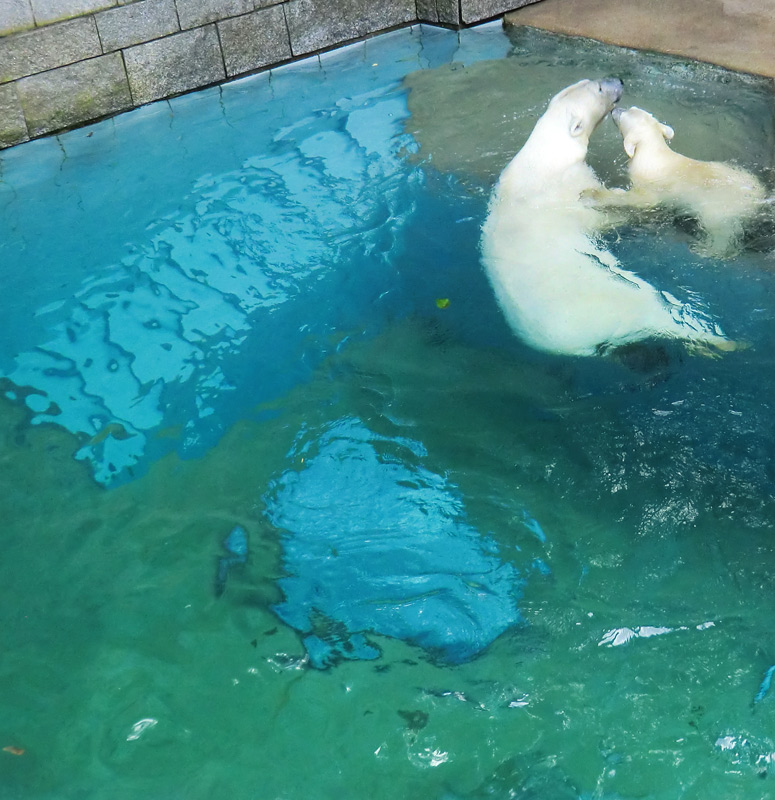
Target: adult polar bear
[(560, 291)]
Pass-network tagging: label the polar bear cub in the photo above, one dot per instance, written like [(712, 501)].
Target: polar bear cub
[(721, 197), (558, 288)]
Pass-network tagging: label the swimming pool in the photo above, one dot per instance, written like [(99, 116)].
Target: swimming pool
[(461, 568)]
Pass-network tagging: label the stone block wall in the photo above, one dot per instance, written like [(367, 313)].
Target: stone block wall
[(64, 63)]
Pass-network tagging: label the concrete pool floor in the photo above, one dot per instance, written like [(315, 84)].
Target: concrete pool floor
[(738, 34)]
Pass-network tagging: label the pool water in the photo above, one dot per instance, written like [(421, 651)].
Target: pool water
[(289, 513)]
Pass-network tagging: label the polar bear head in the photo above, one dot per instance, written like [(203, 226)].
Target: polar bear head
[(553, 159), (561, 136), (584, 104), (639, 128)]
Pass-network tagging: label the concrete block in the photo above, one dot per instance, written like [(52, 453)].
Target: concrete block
[(255, 40), (47, 11), (73, 94), (46, 48), (193, 13), (13, 129), (140, 22), (478, 10), (15, 15), (446, 12), (314, 24), (175, 64)]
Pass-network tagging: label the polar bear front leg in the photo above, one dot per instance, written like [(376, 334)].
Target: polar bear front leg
[(617, 206), (603, 197), (722, 237)]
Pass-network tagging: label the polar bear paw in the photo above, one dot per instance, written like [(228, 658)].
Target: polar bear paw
[(715, 348), (601, 196)]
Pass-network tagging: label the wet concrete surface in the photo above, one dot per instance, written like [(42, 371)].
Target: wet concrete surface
[(738, 34)]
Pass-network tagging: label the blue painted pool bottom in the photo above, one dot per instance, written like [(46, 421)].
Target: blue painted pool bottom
[(625, 517)]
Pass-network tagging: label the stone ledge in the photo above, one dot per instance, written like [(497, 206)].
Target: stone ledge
[(193, 13), (175, 64), (47, 11), (255, 40), (13, 128), (166, 47), (133, 24), (15, 15), (74, 94), (46, 48), (317, 24), (444, 12), (472, 11)]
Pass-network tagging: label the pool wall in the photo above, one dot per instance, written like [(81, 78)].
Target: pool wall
[(64, 63)]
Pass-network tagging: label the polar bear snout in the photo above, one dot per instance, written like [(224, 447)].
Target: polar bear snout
[(637, 125), (613, 87)]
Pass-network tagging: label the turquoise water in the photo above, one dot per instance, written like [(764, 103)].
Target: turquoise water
[(469, 570)]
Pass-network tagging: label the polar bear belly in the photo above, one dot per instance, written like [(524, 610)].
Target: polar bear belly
[(560, 292)]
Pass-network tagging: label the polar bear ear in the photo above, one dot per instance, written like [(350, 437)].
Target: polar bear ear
[(576, 125), (630, 145), (666, 131)]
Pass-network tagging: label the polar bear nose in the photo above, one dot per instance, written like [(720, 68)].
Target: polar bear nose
[(614, 86), (616, 113)]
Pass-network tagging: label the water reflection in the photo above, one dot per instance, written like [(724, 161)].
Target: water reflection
[(376, 543), (227, 295)]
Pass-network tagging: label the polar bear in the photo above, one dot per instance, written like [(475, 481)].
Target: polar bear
[(722, 198), (559, 289)]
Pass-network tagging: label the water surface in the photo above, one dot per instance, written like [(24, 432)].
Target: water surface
[(473, 570)]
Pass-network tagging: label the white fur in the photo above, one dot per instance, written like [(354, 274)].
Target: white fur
[(559, 290), (721, 197)]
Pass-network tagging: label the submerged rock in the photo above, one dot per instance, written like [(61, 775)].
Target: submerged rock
[(236, 545), (375, 543)]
